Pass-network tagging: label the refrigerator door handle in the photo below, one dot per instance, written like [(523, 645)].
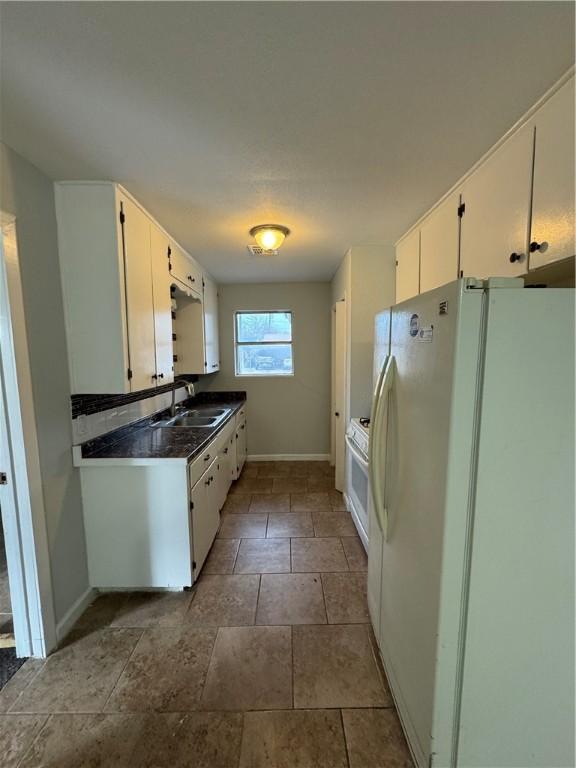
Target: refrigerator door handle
[(373, 420), (377, 464)]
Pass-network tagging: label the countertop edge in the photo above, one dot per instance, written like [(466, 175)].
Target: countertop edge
[(79, 461)]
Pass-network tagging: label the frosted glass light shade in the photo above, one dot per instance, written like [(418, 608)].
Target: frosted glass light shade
[(269, 236)]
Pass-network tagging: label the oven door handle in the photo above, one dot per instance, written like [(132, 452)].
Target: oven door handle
[(356, 453)]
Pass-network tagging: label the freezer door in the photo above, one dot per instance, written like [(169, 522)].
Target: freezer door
[(381, 349), (518, 677), (435, 343), (382, 325)]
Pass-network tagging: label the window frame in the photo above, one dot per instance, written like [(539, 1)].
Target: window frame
[(238, 344)]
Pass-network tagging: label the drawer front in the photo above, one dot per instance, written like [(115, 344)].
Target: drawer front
[(201, 464), (224, 436)]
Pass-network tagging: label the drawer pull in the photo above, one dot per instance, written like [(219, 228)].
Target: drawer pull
[(207, 457)]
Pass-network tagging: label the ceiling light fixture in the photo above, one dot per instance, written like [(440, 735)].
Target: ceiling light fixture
[(269, 236)]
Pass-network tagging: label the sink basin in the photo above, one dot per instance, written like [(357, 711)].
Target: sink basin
[(197, 417), (193, 421)]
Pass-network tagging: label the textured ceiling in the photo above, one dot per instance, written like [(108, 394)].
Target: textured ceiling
[(344, 121)]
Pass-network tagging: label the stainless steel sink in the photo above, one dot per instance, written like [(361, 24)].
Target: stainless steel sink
[(197, 417), (208, 412)]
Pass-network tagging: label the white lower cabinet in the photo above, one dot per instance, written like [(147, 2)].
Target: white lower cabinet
[(241, 442), (205, 514), (151, 525), (226, 457)]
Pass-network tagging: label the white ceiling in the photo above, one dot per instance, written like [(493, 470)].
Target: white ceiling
[(344, 121)]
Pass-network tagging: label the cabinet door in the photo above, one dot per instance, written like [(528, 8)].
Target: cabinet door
[(232, 446), (494, 228), (162, 306), (241, 448), (223, 474), (552, 236), (439, 245), (211, 342), (183, 268), (205, 516), (408, 267), (138, 286)]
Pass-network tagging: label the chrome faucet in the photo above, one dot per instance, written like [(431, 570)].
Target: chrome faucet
[(189, 388)]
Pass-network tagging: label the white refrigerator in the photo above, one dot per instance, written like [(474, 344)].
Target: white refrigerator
[(471, 522)]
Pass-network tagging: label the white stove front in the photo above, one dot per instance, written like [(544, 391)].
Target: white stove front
[(357, 486)]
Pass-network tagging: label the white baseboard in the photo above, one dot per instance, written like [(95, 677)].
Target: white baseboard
[(289, 457), (74, 612)]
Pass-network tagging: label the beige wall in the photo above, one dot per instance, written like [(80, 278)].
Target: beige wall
[(286, 415), (27, 194)]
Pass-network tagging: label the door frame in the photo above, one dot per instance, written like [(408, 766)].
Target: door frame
[(21, 497), (339, 353)]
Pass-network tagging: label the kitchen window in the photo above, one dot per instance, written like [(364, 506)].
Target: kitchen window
[(263, 343)]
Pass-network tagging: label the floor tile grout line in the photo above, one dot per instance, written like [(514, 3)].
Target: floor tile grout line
[(132, 652), (293, 672), (34, 676), (236, 555), (35, 739), (324, 598), (344, 737), (205, 678), (257, 600)]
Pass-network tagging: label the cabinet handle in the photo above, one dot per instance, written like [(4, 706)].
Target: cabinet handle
[(226, 450), (207, 457), (207, 482), (534, 246), (214, 365), (243, 425), (160, 375), (516, 257), (154, 376)]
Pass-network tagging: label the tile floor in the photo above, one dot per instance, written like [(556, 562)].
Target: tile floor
[(268, 661)]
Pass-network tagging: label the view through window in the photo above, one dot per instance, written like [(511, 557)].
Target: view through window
[(264, 343)]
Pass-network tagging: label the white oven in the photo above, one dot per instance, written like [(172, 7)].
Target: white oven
[(357, 488)]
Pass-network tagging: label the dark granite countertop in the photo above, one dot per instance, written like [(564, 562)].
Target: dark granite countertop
[(147, 440)]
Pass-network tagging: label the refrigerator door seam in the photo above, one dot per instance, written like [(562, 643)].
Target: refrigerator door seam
[(469, 533)]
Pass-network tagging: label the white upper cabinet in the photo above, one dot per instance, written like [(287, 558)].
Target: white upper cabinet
[(183, 269), (552, 232), (162, 306), (439, 244), (98, 281), (494, 228), (408, 267), (139, 301), (211, 341)]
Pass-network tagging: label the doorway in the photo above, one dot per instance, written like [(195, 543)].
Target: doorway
[(25, 579)]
